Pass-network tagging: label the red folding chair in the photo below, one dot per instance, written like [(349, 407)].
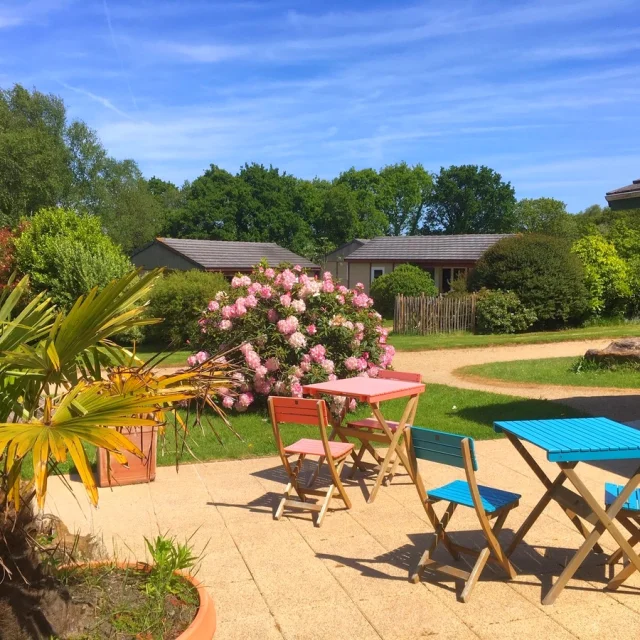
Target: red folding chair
[(371, 429), (309, 412)]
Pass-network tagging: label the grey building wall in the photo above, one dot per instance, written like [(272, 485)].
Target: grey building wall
[(156, 255)]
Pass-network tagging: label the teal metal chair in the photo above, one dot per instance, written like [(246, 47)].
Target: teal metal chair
[(629, 518), (489, 504)]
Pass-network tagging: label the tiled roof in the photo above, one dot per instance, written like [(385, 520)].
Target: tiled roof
[(409, 248), (624, 192), (231, 255)]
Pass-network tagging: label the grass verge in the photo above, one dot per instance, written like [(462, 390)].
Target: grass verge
[(465, 340), (561, 371), (450, 409)]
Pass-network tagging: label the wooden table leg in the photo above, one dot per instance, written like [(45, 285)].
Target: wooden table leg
[(394, 438), (551, 487), (605, 522)]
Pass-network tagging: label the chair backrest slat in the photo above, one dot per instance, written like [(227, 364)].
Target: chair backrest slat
[(298, 410), (405, 376), (437, 446)]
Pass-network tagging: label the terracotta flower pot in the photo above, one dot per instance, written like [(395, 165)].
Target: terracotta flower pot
[(136, 471), (203, 626)]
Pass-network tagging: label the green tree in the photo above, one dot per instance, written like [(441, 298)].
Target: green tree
[(408, 280), (113, 190), (68, 254), (34, 171), (607, 275), (544, 215), (541, 271), (403, 195), (470, 199)]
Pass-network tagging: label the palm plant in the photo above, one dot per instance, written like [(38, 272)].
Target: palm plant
[(64, 381)]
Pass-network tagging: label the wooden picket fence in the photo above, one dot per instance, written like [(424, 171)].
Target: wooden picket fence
[(441, 314)]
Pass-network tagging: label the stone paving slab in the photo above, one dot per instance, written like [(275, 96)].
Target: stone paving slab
[(348, 579)]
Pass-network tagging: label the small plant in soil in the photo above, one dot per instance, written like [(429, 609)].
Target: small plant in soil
[(142, 602)]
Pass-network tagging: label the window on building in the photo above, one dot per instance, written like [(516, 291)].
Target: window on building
[(445, 287), (376, 272)]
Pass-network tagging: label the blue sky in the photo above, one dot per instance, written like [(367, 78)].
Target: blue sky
[(546, 92)]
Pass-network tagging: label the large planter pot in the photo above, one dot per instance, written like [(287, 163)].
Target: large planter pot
[(136, 471), (204, 624)]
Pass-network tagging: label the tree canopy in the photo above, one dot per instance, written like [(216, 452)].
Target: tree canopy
[(470, 199)]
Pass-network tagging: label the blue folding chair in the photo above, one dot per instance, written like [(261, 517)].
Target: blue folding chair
[(489, 504), (629, 518)]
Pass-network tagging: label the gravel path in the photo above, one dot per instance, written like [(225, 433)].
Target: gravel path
[(440, 366)]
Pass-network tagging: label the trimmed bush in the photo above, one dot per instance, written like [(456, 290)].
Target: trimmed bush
[(542, 272), (408, 280), (607, 275), (179, 298), (502, 312), (294, 330), (68, 254)]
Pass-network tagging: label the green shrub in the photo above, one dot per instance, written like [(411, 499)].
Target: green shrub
[(68, 254), (542, 272), (502, 312), (607, 275), (179, 298), (407, 279)]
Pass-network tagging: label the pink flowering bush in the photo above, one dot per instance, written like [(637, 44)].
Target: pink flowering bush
[(293, 329)]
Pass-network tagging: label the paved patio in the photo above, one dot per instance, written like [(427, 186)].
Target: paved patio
[(348, 579)]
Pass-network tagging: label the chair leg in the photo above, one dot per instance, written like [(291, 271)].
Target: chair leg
[(325, 506), (438, 535), (484, 556), (356, 462)]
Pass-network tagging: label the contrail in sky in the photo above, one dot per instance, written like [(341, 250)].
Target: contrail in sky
[(115, 46)]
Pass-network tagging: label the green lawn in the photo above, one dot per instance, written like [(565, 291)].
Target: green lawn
[(463, 340), (175, 358), (444, 408), (557, 371)]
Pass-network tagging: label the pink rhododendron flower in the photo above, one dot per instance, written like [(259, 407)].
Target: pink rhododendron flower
[(298, 306), (252, 359), (251, 302), (239, 309), (288, 325), (297, 268), (202, 356), (348, 324), (263, 387), (245, 348), (362, 300), (238, 376), (254, 288), (328, 286), (352, 404), (317, 353), (311, 329), (279, 387), (340, 298), (266, 292), (373, 370), (297, 340), (332, 377), (359, 285), (245, 399), (272, 364), (213, 305), (269, 273), (296, 390), (285, 300), (272, 315), (228, 402), (240, 281), (221, 295), (228, 312), (261, 371), (328, 366), (225, 325), (305, 366), (192, 361), (327, 275), (351, 363), (298, 372), (342, 289)]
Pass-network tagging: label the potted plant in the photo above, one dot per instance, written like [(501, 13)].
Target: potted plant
[(64, 384)]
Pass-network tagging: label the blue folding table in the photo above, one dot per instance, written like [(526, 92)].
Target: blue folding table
[(568, 442)]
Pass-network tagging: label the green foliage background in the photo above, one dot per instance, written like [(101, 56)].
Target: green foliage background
[(406, 279)]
